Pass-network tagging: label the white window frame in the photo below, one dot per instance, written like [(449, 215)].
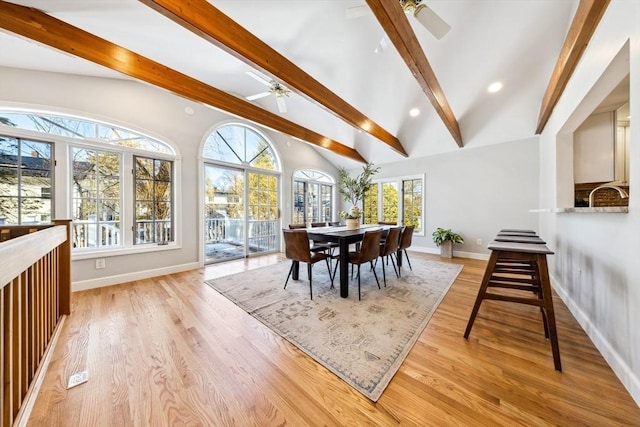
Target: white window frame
[(62, 182), (331, 183), (398, 183)]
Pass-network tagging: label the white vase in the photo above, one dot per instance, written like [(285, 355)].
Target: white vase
[(353, 224), (446, 249)]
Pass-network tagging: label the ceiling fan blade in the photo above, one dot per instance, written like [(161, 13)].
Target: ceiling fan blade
[(262, 79), (431, 21), (356, 12), (383, 45), (257, 96), (282, 107)]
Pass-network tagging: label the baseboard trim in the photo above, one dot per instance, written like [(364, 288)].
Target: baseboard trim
[(622, 370), (459, 254), (100, 282)]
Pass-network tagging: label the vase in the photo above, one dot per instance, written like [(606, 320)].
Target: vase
[(446, 249), (353, 224)]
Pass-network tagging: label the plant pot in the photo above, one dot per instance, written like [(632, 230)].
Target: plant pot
[(353, 224), (446, 249)]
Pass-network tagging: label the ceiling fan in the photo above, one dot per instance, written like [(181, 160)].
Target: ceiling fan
[(275, 88), (423, 14)]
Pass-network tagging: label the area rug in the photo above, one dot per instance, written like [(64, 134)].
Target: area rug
[(362, 342)]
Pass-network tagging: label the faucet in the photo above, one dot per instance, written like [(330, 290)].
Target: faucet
[(623, 194)]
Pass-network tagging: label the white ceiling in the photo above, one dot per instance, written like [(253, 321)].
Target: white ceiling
[(513, 41)]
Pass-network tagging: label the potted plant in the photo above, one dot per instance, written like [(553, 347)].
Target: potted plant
[(353, 189), (445, 239)]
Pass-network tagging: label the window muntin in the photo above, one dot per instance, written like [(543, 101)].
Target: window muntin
[(313, 197), (96, 198), (240, 145), (153, 200), (26, 181)]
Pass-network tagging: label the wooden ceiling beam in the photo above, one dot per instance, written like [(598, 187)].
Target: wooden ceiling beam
[(38, 26), (203, 19), (585, 21), (395, 24)]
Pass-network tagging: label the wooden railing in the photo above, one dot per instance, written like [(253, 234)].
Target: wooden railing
[(35, 275)]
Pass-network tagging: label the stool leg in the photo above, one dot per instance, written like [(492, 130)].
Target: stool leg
[(543, 274), (483, 289)]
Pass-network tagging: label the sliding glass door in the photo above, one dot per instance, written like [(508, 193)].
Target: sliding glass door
[(240, 212)]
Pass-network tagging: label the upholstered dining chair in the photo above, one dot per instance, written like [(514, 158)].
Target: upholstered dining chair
[(388, 248), (297, 248), (369, 251), (405, 241)]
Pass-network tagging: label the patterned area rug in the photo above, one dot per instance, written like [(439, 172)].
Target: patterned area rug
[(363, 342)]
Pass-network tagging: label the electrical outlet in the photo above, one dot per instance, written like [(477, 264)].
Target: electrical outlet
[(77, 379), (100, 263), (478, 241)]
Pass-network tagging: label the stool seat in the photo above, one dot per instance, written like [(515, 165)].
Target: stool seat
[(517, 233), (519, 266), (520, 239), (516, 230)]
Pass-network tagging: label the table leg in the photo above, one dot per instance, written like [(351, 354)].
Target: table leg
[(296, 270), (344, 269)]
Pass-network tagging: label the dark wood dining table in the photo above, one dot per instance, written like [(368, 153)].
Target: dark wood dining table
[(344, 237)]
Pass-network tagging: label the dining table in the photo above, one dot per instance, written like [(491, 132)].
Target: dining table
[(344, 237)]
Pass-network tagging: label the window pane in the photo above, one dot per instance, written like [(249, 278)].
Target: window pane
[(412, 206), (389, 202), (371, 205), (26, 180), (240, 145), (96, 198), (153, 200)]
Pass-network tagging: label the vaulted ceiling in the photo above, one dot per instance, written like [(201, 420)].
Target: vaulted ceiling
[(313, 44)]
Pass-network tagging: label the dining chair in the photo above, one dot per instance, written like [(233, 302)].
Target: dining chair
[(321, 245), (297, 249), (388, 248), (369, 251), (405, 241), (387, 223)]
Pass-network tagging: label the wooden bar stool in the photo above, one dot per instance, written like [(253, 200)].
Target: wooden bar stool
[(520, 267)]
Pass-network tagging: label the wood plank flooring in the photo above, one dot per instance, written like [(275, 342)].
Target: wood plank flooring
[(170, 351)]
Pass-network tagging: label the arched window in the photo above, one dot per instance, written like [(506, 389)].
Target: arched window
[(241, 145), (241, 194), (312, 196), (99, 155)]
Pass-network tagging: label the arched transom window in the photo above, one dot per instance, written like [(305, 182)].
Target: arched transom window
[(240, 145)]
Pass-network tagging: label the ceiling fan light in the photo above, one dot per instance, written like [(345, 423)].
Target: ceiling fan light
[(431, 21)]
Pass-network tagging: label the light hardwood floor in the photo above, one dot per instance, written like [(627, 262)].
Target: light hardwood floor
[(172, 351)]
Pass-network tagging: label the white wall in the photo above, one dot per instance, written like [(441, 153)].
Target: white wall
[(159, 114), (475, 192), (596, 266)]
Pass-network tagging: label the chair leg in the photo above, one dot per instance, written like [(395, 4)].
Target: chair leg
[(329, 270), (384, 274), (288, 275), (310, 269), (394, 265), (408, 261), (358, 281), (376, 276)]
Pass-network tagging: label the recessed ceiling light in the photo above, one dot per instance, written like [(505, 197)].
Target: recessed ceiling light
[(494, 87), (189, 111), (414, 112)]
